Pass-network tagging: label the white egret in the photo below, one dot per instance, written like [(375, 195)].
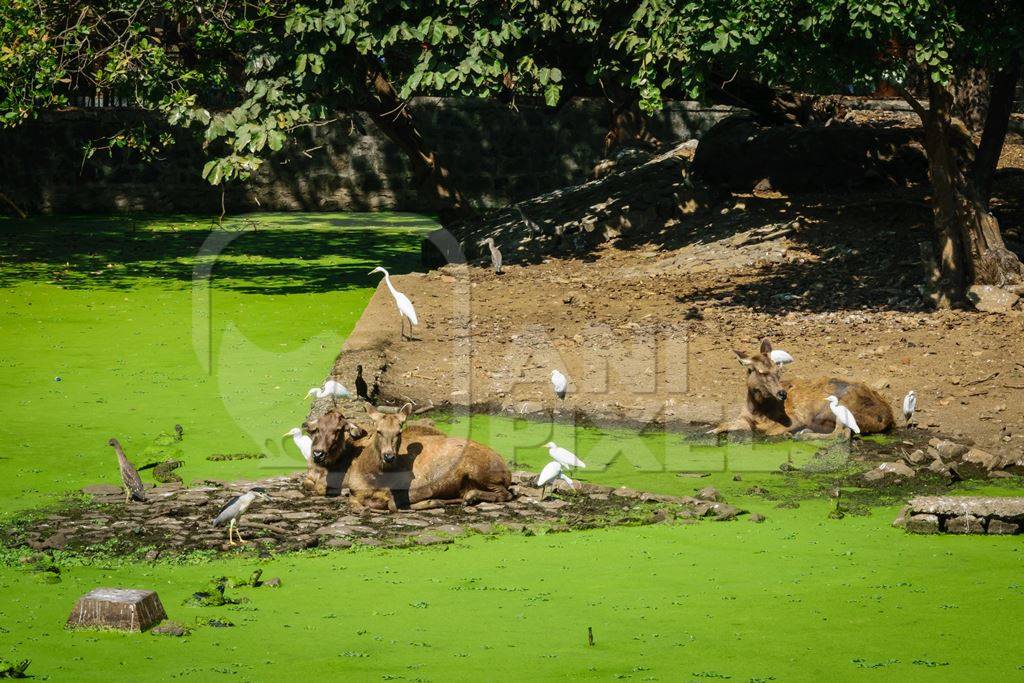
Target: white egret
[(405, 309), (780, 357), (332, 388), (552, 471), (303, 442), (843, 415), (560, 383), (563, 456), (909, 405)]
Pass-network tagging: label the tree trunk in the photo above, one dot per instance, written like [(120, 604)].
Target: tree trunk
[(970, 245), (393, 117), (997, 121)]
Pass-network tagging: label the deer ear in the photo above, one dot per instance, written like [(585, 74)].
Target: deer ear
[(355, 431), (311, 425), (766, 347), (373, 413), (745, 360), (406, 410)]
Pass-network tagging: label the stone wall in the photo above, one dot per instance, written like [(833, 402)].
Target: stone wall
[(497, 154)]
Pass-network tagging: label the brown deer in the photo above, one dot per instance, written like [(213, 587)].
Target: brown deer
[(432, 470), (775, 406)]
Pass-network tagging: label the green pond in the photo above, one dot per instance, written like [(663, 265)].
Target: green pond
[(124, 327)]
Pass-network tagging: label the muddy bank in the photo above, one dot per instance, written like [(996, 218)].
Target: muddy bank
[(645, 331)]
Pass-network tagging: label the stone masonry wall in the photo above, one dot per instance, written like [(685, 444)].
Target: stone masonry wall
[(497, 154)]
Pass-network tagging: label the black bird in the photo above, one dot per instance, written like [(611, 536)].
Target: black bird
[(361, 384), (130, 479)]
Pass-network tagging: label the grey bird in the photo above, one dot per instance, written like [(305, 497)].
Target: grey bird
[(130, 479), (530, 225), (495, 255), (234, 510)]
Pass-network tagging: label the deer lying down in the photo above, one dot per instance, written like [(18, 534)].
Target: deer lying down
[(431, 470), (776, 406)]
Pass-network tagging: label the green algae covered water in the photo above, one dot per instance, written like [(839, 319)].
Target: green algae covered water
[(112, 308)]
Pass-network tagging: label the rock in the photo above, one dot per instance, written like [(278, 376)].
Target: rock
[(152, 555), (339, 542), (431, 539), (756, 517), (992, 299), (709, 493), (170, 628), (737, 477), (978, 463), (1015, 467), (530, 407), (998, 526), (626, 492), (103, 490), (978, 506), (918, 457), (481, 528), (938, 467), (117, 608), (966, 524), (923, 524), (889, 472), (902, 518), (725, 513), (948, 450)]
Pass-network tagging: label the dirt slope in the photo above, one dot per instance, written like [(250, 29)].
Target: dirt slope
[(645, 329)]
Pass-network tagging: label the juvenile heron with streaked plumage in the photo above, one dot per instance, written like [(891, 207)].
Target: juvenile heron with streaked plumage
[(130, 479)]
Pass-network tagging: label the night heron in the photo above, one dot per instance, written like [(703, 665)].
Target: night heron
[(495, 255), (563, 456), (405, 309), (909, 405), (560, 383), (303, 442), (530, 225), (234, 510), (361, 388), (843, 416), (332, 388), (130, 479), (780, 357)]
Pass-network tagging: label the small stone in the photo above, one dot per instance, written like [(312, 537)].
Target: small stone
[(965, 524), (918, 457), (170, 628), (725, 513), (482, 528), (948, 450), (923, 524), (709, 493), (626, 492), (341, 542), (890, 472), (756, 517), (152, 555), (998, 526), (737, 477), (273, 583)]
